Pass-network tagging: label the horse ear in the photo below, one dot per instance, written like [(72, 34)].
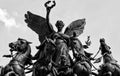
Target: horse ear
[(19, 38)]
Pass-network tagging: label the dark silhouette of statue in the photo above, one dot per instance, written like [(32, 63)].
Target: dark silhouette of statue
[(109, 66), (44, 29), (20, 59), (82, 65), (104, 47), (43, 57)]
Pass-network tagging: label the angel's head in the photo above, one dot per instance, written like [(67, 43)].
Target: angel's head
[(59, 24), (102, 40)]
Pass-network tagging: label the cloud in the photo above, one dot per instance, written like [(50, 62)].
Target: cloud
[(7, 19)]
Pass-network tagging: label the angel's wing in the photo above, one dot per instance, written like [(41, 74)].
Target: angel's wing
[(76, 27), (39, 25)]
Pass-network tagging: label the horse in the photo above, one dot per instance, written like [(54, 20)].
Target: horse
[(50, 53), (61, 57), (43, 65), (109, 66), (81, 65), (17, 64)]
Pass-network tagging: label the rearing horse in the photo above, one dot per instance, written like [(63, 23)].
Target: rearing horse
[(42, 67), (81, 66), (16, 66), (109, 66)]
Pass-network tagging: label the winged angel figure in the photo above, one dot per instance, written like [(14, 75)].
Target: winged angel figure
[(43, 28)]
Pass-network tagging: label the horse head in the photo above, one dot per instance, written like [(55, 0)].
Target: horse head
[(19, 45), (76, 43), (46, 51), (49, 47)]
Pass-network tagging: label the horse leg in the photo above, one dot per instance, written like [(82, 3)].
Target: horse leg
[(82, 69), (107, 74), (19, 70), (94, 74), (77, 69), (12, 73), (74, 74), (50, 74)]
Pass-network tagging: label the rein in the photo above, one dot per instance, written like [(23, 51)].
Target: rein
[(103, 54), (90, 62), (96, 54)]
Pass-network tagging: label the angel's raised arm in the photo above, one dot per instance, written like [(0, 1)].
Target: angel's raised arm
[(48, 9)]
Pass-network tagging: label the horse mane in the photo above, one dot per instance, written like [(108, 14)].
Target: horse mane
[(42, 52), (74, 38)]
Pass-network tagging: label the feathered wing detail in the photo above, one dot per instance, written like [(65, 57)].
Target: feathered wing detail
[(76, 27), (39, 25)]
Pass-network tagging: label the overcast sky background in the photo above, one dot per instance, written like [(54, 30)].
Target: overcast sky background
[(102, 20)]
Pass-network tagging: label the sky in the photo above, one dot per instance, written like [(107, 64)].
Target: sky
[(102, 21)]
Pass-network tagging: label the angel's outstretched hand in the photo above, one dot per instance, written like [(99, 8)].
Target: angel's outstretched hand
[(49, 7)]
